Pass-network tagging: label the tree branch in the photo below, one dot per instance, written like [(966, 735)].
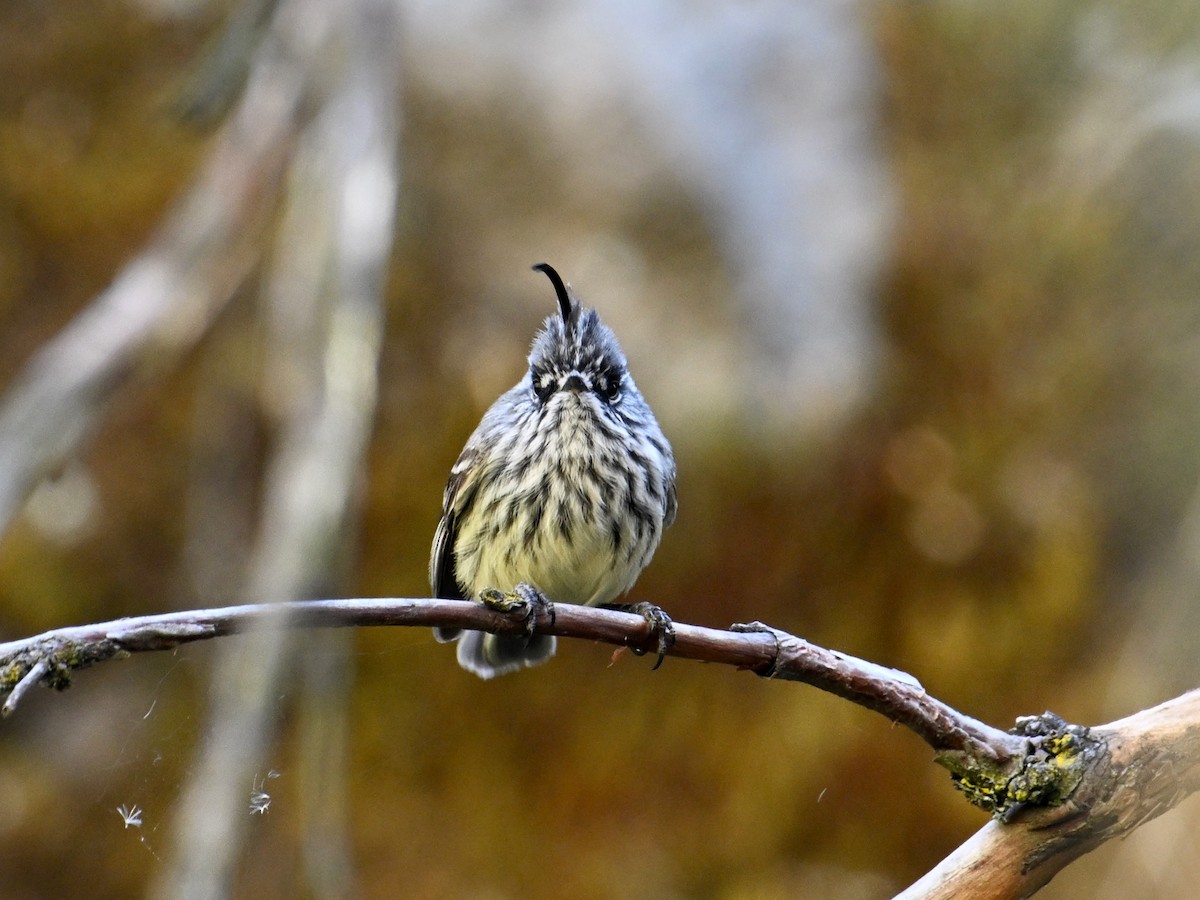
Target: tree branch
[(1147, 763), (1056, 790), (165, 298), (757, 647)]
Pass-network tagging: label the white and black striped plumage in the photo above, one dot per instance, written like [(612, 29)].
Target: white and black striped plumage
[(567, 484)]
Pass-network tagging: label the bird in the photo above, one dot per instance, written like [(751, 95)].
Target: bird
[(561, 493)]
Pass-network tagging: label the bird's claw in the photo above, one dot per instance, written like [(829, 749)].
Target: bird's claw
[(661, 627), (524, 599)]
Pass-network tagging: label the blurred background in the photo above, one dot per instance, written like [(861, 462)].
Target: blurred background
[(912, 289)]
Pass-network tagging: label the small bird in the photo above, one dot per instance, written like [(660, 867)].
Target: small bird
[(562, 492)]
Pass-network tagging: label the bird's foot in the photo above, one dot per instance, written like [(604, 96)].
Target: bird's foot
[(524, 600), (661, 627)]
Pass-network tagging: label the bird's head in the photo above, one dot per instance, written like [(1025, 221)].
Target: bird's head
[(576, 352)]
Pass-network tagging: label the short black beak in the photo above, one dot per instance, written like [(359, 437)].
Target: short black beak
[(574, 383)]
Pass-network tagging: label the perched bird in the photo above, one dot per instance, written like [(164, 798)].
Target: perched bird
[(563, 490)]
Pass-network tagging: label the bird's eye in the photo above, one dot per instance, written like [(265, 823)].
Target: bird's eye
[(610, 389), (543, 384)]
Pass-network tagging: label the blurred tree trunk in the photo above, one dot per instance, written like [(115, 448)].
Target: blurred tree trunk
[(323, 313)]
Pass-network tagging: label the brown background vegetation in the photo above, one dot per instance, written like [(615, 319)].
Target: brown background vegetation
[(1001, 516)]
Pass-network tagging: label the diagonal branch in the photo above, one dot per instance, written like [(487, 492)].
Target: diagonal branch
[(166, 297), (1151, 761), (892, 693)]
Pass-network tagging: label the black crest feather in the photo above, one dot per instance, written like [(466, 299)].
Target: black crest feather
[(570, 310)]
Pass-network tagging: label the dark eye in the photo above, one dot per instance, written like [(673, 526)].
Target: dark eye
[(543, 384), (610, 390)]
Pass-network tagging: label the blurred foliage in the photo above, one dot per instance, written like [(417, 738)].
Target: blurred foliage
[(983, 523)]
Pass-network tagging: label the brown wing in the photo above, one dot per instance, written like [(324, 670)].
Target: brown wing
[(460, 490), (441, 563)]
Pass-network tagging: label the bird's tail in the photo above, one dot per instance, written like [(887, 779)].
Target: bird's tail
[(488, 655)]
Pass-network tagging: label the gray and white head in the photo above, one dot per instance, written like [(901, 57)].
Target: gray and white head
[(575, 351)]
